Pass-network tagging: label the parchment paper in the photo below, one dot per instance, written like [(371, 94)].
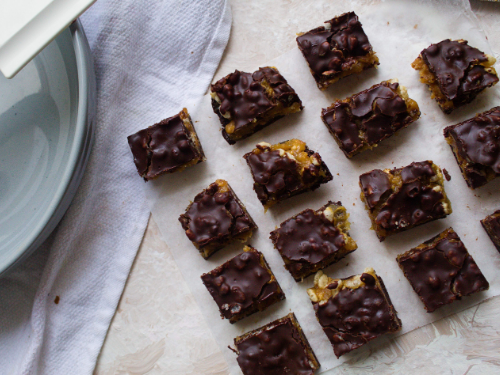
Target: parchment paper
[(398, 31)]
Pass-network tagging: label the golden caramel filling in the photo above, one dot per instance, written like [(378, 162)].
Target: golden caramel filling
[(411, 105), (223, 186), (339, 216), (324, 287)]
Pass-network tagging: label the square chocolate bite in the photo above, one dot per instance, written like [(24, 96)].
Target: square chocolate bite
[(455, 72), (354, 310), (279, 347), (312, 240), (216, 218), (403, 198), (491, 225), (243, 285), (362, 121), (166, 147), (337, 50), (441, 270), (285, 169), (248, 102), (476, 146)]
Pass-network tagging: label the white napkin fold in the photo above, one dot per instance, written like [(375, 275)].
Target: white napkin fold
[(151, 58)]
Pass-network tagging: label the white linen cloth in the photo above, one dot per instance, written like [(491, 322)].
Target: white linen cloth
[(151, 58)]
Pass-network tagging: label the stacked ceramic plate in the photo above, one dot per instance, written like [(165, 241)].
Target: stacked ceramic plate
[(46, 132)]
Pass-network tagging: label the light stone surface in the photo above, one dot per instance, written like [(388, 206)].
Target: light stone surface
[(158, 327)]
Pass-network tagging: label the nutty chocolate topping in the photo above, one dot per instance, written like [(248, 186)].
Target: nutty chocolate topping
[(276, 350), (478, 139), (331, 51), (492, 226), (368, 117), (239, 283), (308, 238), (417, 170), (242, 96), (274, 174), (282, 91), (355, 316), (374, 185), (339, 120), (161, 147), (413, 204), (139, 144), (450, 62), (442, 271), (213, 216)]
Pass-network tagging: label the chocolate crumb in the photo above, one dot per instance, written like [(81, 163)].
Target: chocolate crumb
[(446, 174)]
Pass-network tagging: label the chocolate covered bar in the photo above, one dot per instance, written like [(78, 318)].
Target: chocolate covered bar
[(248, 102), (284, 170), (362, 121), (166, 147), (337, 50), (243, 285), (455, 72), (354, 310), (216, 218), (441, 270), (476, 146), (491, 225), (402, 198), (312, 240), (279, 347)]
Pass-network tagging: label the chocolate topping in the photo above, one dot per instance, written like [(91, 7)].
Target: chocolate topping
[(242, 96), (442, 271), (355, 316), (240, 283), (214, 216), (374, 185), (478, 139), (162, 147), (492, 226), (329, 52), (308, 238), (275, 350), (452, 64), (275, 174), (417, 170), (368, 117), (413, 204), (281, 89), (339, 121)]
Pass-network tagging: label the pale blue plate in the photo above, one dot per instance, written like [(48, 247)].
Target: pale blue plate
[(46, 132)]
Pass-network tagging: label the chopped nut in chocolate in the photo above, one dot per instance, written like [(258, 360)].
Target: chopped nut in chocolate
[(364, 120), (216, 218), (353, 311), (455, 72), (166, 147), (284, 170), (337, 50), (246, 102), (243, 285), (402, 198), (279, 347), (312, 240), (476, 145), (441, 270), (491, 225)]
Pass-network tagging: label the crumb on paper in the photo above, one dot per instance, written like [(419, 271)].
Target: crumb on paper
[(388, 22), (56, 300), (446, 174), (416, 26)]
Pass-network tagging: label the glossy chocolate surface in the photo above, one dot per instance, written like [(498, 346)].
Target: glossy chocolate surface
[(355, 316), (162, 147), (491, 224), (278, 349), (331, 51), (241, 283), (442, 271)]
